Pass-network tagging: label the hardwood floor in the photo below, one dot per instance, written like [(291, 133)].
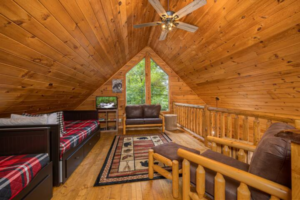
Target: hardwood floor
[(80, 184)]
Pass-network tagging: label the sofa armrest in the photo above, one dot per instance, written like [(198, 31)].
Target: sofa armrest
[(17, 141), (80, 115), (245, 178)]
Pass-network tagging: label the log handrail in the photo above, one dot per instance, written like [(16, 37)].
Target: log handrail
[(262, 115), (272, 188), (232, 143), (204, 121)]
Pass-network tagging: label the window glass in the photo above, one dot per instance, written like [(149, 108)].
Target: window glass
[(159, 86), (135, 85)]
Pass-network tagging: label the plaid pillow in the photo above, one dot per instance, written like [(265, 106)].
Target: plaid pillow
[(60, 120)]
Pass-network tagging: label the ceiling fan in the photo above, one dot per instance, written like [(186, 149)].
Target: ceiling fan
[(169, 18)]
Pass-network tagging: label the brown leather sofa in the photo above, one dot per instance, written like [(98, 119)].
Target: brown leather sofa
[(143, 116), (271, 160)]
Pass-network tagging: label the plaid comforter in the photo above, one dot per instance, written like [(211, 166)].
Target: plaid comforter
[(77, 131), (17, 171)]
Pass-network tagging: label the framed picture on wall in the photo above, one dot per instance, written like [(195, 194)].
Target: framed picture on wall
[(117, 86)]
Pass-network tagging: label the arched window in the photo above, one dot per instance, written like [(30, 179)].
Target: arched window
[(142, 89)]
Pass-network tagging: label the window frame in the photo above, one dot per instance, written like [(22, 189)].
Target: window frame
[(148, 81)]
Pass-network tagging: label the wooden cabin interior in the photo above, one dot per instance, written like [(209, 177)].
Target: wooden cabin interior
[(149, 99)]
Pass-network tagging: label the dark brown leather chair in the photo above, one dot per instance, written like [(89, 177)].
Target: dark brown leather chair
[(143, 116)]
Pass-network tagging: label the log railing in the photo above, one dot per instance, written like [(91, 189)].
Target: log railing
[(243, 125), (246, 180)]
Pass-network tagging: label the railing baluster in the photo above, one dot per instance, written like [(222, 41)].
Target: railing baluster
[(201, 123), (226, 151), (243, 192), (214, 146), (236, 127), (229, 126), (222, 125), (256, 131), (200, 181), (195, 120), (217, 121), (242, 156), (219, 187), (213, 122), (246, 129)]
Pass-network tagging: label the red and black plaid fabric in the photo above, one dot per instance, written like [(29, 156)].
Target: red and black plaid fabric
[(17, 171), (77, 131)]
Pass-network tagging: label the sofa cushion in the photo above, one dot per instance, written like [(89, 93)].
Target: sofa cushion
[(133, 112), (169, 150), (272, 157), (151, 111), (17, 171), (231, 185), (135, 121), (152, 120)]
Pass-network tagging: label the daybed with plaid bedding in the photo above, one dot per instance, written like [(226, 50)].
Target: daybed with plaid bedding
[(77, 131), (16, 172)]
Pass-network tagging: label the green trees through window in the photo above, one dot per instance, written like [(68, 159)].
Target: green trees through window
[(136, 85), (159, 86)]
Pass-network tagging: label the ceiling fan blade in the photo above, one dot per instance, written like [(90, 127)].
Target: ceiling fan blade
[(186, 27), (190, 8), (158, 7), (163, 35), (147, 24)]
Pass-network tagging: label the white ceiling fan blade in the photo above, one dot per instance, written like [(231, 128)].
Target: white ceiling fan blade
[(190, 8), (163, 35), (158, 7), (147, 24), (186, 27)]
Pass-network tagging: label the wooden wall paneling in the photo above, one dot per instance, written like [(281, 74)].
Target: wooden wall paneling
[(246, 53), (66, 49), (106, 88)]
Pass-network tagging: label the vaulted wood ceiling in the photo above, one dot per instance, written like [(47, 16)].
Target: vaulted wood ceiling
[(55, 53), (246, 52)]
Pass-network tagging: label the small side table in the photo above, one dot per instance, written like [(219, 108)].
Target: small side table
[(171, 122)]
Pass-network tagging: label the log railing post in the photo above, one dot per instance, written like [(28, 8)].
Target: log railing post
[(222, 125), (214, 146), (200, 181), (243, 192), (242, 156), (205, 124), (175, 178), (185, 180), (150, 165), (219, 187), (226, 151), (236, 127), (229, 126), (246, 129), (256, 131)]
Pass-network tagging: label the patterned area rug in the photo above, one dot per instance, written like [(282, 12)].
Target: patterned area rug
[(127, 159)]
